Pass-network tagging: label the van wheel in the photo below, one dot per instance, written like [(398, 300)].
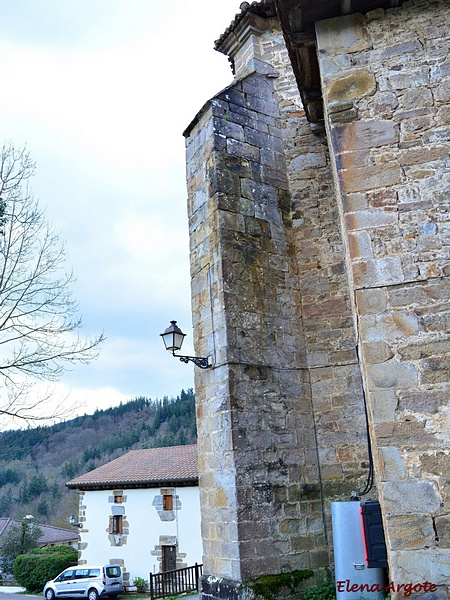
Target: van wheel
[(92, 594), (49, 594)]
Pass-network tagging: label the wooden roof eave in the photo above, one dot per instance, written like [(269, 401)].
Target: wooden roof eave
[(108, 485)]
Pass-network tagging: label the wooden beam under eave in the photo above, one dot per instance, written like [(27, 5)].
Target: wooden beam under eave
[(346, 7), (302, 50)]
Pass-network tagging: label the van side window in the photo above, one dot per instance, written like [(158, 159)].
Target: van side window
[(81, 573), (94, 572), (67, 575)]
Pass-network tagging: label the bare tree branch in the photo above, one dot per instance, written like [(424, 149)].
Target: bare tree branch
[(39, 319)]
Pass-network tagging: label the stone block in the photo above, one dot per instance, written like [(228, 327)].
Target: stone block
[(364, 135), (389, 326), (258, 192), (430, 565), (223, 180), (435, 370), (424, 350), (376, 352), (384, 104), (353, 86), (371, 177), (270, 158), (242, 149), (354, 202), (263, 140), (332, 65), (392, 375), (378, 272), (342, 35), (234, 95), (423, 401), (442, 524), (366, 219), (257, 86), (421, 155), (319, 558), (269, 108), (410, 294), (411, 496), (383, 404), (337, 306), (309, 160), (236, 204), (406, 433), (371, 301), (442, 91), (228, 129), (392, 467), (403, 80), (409, 531), (437, 463), (411, 46)]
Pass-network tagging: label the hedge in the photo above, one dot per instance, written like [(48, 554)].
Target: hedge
[(34, 569)]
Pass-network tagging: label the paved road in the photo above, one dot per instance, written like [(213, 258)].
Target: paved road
[(12, 593)]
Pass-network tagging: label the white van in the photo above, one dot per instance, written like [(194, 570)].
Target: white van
[(86, 582)]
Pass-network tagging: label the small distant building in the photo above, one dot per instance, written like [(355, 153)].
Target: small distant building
[(51, 536), (141, 510)]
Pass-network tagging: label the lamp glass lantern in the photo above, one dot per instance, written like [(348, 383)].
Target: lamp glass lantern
[(173, 337)]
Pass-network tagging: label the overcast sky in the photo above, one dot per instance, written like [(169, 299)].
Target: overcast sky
[(100, 92)]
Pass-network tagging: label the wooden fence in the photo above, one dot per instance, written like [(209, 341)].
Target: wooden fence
[(172, 583)]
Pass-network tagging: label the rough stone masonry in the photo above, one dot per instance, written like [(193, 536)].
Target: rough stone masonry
[(320, 281)]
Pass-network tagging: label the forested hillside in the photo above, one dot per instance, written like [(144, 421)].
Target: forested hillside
[(36, 463)]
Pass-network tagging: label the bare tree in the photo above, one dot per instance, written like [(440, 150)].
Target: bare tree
[(39, 320)]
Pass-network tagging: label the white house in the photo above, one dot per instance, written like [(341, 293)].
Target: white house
[(141, 510)]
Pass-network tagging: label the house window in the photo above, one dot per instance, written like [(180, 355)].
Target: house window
[(116, 524), (118, 498), (167, 502)]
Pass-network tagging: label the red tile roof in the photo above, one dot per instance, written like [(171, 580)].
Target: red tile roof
[(144, 468)]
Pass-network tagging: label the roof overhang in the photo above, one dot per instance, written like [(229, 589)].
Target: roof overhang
[(297, 19), (130, 485)]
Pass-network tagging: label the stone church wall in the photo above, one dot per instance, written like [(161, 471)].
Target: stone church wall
[(386, 85), (319, 266)]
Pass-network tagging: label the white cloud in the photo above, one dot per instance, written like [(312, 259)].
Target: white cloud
[(101, 90)]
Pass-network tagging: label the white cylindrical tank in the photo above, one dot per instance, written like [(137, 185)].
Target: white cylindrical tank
[(353, 579)]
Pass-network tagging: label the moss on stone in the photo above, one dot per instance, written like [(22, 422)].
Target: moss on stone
[(268, 586)]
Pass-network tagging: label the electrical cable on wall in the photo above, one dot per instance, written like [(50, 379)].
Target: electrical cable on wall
[(370, 475)]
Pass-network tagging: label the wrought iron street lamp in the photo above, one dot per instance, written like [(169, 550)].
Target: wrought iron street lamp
[(73, 522), (173, 340)]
